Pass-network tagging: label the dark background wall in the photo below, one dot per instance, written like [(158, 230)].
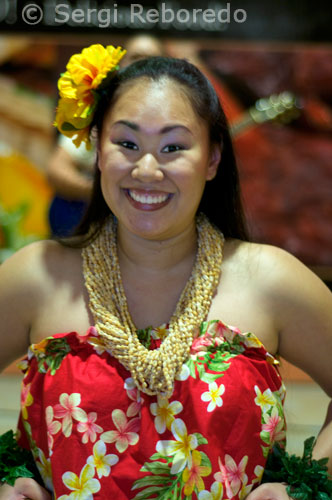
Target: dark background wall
[(277, 20)]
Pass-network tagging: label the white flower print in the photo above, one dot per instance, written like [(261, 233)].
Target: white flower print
[(82, 487), (213, 396), (181, 448), (265, 400), (101, 461), (184, 373), (45, 470), (215, 493), (164, 413)]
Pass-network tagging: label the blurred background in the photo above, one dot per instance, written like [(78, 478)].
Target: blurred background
[(271, 64)]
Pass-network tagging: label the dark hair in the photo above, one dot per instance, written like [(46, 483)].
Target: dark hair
[(221, 200)]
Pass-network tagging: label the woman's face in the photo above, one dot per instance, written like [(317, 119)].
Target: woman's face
[(155, 157)]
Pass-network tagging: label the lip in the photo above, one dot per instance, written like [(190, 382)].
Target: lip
[(148, 207)]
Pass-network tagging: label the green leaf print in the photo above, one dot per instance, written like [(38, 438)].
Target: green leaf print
[(205, 460), (266, 451), (216, 363), (167, 486), (161, 481), (156, 467), (265, 437), (172, 492), (200, 439), (52, 357)]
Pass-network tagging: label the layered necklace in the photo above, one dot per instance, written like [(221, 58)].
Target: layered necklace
[(153, 371)]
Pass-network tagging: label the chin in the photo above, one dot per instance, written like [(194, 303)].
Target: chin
[(149, 228)]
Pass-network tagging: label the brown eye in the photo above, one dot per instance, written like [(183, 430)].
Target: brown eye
[(128, 145), (172, 148)]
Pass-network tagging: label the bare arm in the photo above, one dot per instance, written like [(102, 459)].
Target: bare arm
[(302, 307), (24, 488), (20, 296), (65, 177)]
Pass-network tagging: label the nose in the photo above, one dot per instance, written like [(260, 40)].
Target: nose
[(147, 169)]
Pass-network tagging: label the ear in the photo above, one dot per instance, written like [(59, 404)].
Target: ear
[(215, 157)]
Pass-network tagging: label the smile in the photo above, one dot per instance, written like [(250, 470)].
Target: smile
[(148, 200)]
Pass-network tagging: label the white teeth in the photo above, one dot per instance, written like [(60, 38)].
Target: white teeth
[(142, 198)]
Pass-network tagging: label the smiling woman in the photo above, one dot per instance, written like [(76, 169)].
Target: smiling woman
[(184, 124), (148, 392)]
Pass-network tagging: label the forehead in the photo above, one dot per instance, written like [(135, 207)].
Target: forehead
[(146, 99)]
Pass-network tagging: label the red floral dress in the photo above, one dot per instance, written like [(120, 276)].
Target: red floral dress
[(95, 436)]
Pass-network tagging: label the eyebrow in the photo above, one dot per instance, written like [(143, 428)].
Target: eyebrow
[(164, 130)]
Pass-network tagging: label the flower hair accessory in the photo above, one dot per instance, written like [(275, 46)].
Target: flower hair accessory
[(78, 89)]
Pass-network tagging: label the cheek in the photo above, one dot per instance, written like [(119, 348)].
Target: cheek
[(191, 170), (112, 162)]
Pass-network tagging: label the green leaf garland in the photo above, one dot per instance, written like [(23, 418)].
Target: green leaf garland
[(15, 461), (307, 478)]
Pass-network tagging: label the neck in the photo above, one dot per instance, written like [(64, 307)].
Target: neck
[(156, 256)]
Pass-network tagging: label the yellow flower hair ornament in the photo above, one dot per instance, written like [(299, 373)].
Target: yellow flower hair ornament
[(78, 88)]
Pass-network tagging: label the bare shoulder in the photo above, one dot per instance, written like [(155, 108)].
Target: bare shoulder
[(28, 281), (38, 262), (288, 288), (300, 304), (273, 269), (296, 300), (285, 277)]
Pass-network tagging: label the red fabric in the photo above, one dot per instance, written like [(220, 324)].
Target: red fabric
[(91, 431)]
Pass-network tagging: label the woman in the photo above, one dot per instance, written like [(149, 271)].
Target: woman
[(197, 417)]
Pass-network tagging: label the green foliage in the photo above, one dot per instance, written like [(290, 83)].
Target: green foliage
[(307, 478), (15, 461)]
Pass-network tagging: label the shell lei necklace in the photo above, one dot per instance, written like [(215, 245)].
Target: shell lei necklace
[(153, 371)]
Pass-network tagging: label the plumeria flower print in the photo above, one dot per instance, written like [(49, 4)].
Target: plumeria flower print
[(126, 433), (232, 475), (193, 477), (26, 400), (213, 396), (274, 425), (101, 461), (164, 413), (181, 448), (53, 426), (68, 409), (82, 487), (134, 394), (216, 492), (45, 470), (265, 400), (184, 373), (90, 428)]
